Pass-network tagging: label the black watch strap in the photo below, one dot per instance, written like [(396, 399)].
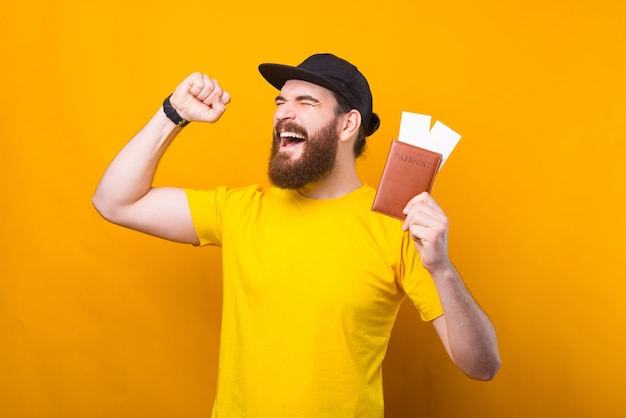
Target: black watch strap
[(172, 114)]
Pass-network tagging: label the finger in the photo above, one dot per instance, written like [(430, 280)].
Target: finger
[(217, 108), (430, 202), (193, 84), (426, 202), (425, 215), (419, 244), (215, 96), (415, 205), (418, 215), (216, 104), (420, 198), (419, 233), (183, 94), (226, 97), (206, 88)]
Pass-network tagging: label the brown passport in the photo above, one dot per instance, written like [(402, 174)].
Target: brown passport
[(409, 171)]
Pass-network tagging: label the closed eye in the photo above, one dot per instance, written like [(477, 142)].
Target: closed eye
[(307, 100), (303, 100)]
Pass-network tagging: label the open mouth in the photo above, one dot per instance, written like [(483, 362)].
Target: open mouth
[(288, 139)]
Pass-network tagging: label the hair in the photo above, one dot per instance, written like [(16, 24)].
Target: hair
[(344, 107)]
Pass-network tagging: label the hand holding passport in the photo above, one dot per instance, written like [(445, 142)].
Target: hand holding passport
[(413, 162)]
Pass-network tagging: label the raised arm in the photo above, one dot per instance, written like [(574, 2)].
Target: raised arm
[(125, 195), (465, 330)]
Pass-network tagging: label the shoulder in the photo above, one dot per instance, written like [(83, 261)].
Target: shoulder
[(223, 193)]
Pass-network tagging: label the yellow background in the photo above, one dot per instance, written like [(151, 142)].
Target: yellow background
[(98, 321)]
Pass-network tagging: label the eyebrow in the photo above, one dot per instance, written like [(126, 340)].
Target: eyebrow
[(301, 98)]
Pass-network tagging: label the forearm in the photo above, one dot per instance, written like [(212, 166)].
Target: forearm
[(130, 175), (471, 337)]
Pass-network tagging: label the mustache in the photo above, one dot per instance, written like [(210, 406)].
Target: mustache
[(289, 127)]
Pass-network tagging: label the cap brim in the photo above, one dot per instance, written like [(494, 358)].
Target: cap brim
[(277, 75)]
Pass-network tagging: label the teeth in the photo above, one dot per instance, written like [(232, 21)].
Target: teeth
[(291, 135)]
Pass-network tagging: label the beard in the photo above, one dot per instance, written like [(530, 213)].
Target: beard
[(314, 164)]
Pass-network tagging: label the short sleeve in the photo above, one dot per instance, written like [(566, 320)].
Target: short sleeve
[(204, 206)]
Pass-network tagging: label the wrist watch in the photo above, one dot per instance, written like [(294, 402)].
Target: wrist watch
[(172, 114)]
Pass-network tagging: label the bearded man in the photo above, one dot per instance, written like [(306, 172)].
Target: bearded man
[(312, 278)]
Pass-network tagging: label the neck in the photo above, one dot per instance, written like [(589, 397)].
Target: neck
[(343, 179)]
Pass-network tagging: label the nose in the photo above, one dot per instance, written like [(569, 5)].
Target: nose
[(284, 111)]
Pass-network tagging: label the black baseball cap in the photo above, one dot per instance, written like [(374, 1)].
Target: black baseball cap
[(333, 73)]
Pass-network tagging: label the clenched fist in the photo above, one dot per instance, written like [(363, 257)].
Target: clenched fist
[(200, 99)]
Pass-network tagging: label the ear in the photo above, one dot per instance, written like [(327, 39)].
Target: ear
[(350, 125)]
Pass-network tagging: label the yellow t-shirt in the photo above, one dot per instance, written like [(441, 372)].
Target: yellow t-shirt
[(311, 292)]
